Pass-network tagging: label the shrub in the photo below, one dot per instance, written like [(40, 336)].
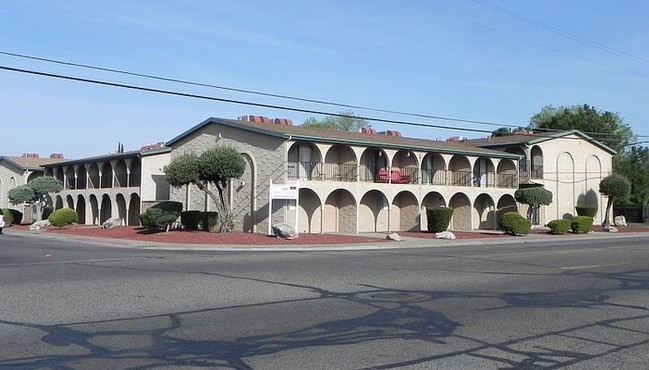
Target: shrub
[(590, 211), (209, 220), (17, 216), (559, 227), (190, 219), (514, 224), (581, 224), (161, 215), (47, 211), (63, 217), (438, 218), (9, 217)]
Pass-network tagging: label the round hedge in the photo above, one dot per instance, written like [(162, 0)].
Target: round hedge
[(63, 217), (438, 218)]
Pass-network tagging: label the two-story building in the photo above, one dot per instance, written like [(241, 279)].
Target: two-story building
[(351, 182)]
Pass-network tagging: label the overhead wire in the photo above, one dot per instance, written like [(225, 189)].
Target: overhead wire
[(288, 97)]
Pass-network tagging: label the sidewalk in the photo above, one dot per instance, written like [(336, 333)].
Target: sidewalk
[(407, 242)]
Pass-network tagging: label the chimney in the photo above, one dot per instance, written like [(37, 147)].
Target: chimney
[(283, 121), (30, 155), (258, 119), (56, 156)]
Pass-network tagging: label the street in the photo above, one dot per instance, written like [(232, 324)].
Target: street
[(577, 303)]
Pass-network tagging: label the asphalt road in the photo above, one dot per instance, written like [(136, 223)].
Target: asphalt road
[(578, 305)]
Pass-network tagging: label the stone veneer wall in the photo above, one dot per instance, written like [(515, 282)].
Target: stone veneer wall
[(268, 157)]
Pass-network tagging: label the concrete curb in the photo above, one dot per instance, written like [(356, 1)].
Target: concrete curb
[(408, 242)]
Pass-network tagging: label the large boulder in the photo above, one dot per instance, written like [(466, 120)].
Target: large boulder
[(445, 235), (394, 236), (284, 231), (38, 225), (619, 221), (111, 222)]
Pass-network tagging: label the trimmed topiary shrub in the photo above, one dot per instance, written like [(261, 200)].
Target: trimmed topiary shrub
[(161, 215), (514, 224), (590, 211), (209, 221), (63, 217), (560, 226), (581, 224), (17, 216), (8, 217), (438, 218), (190, 219)]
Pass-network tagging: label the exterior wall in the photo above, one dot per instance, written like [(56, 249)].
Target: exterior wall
[(572, 171), (154, 185), (266, 157), (11, 177)]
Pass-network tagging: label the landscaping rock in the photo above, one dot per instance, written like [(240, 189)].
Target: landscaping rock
[(111, 222), (284, 231), (445, 235), (394, 236), (38, 225), (611, 229), (619, 221)]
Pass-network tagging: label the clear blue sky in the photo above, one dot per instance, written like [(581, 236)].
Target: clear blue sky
[(459, 58)]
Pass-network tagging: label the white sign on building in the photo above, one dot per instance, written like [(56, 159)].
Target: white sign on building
[(283, 191)]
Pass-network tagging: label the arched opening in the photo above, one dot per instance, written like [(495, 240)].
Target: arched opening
[(134, 210), (340, 213), (565, 189), (93, 176), (106, 209), (94, 209), (12, 182), (461, 205), (433, 170), (431, 200), (136, 173), (106, 176), (506, 203), (82, 177), (121, 175), (69, 201), (405, 169), (58, 174), (405, 215), (483, 173), (59, 202), (536, 160), (310, 216), (33, 175), (304, 161), (340, 164), (374, 165), (81, 210), (485, 212), (121, 208), (506, 174), (373, 212), (459, 170), (70, 182)]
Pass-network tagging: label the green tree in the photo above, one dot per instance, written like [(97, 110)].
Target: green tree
[(634, 165), (344, 121), (607, 127), (35, 193), (534, 198), (217, 167), (502, 131), (617, 188)]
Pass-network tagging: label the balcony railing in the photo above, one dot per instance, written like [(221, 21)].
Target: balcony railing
[(434, 177), (461, 178), (537, 172), (506, 180)]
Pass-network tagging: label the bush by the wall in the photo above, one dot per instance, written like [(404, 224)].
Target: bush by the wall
[(63, 217), (560, 226), (17, 216), (209, 221), (590, 211), (514, 224), (581, 224), (438, 218), (161, 215), (8, 217), (190, 219)]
